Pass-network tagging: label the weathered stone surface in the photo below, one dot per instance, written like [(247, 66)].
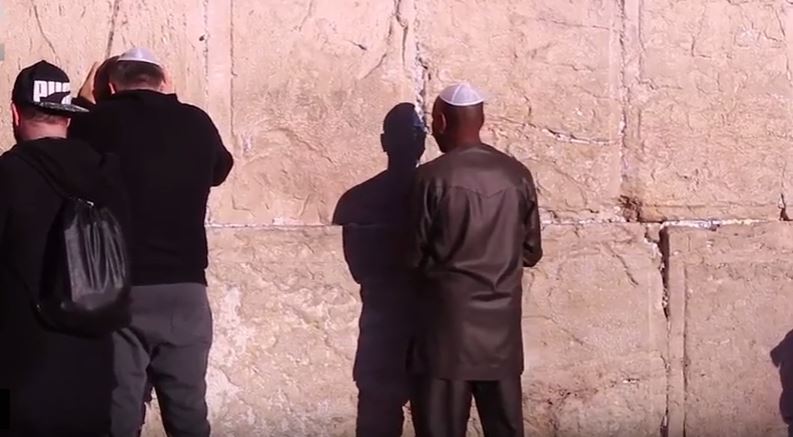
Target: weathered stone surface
[(595, 334), (551, 70), (312, 83), (649, 110), (709, 114), (729, 307), (286, 317)]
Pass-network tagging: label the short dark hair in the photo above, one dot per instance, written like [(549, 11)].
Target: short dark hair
[(29, 112), (132, 74)]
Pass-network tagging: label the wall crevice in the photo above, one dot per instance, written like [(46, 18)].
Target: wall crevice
[(111, 33)]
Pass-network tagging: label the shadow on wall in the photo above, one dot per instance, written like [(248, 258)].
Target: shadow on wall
[(782, 356), (374, 216)]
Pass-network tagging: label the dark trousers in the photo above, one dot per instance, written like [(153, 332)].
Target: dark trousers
[(167, 348), (441, 408), (380, 406)]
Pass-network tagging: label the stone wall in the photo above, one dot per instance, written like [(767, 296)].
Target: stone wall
[(659, 132)]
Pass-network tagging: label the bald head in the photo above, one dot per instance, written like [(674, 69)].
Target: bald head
[(455, 126)]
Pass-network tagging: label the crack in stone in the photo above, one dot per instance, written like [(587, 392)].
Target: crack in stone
[(663, 247), (423, 84), (205, 40), (625, 98), (665, 251), (783, 213), (232, 112), (41, 27), (569, 137), (574, 25), (698, 224), (309, 13), (405, 28), (111, 34), (389, 41), (559, 326), (376, 66), (624, 264), (700, 25), (420, 67)]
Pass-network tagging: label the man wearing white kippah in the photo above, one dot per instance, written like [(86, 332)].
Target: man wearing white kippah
[(171, 156), (475, 226)]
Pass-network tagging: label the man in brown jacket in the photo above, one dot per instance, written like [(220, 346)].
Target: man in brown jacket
[(475, 226)]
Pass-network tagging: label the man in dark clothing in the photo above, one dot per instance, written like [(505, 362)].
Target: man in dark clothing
[(60, 385), (373, 215), (171, 155), (476, 225)]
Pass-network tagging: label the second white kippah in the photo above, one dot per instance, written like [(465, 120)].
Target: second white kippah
[(461, 94), (139, 54)]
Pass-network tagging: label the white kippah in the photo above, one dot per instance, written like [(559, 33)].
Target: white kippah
[(139, 54), (461, 94)]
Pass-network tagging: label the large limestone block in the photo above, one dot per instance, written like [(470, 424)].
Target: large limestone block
[(552, 74), (595, 334), (312, 82), (287, 317), (730, 307), (709, 122)]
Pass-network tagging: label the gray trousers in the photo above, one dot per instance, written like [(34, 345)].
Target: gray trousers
[(166, 347)]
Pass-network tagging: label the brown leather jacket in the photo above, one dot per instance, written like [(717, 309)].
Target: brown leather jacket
[(474, 226)]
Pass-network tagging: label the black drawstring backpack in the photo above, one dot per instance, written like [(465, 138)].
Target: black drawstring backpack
[(85, 283)]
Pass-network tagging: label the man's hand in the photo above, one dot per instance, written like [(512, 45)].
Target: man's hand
[(167, 84), (87, 90)]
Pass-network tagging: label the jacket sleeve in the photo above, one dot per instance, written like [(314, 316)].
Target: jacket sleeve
[(421, 212), (223, 159), (532, 244)]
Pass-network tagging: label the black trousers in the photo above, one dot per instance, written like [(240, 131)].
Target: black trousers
[(441, 408), (165, 348), (380, 406)]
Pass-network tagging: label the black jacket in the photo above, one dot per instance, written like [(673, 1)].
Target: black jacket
[(475, 225), (66, 379), (171, 155)]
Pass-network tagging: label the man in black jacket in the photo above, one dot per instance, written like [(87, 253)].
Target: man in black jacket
[(59, 385), (171, 155), (475, 225)]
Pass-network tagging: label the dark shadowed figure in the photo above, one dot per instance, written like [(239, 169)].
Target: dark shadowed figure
[(782, 356), (373, 215)]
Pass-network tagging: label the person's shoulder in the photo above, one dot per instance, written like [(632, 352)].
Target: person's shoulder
[(7, 157), (197, 117), (438, 168), (11, 167), (195, 111), (5, 162), (511, 163)]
